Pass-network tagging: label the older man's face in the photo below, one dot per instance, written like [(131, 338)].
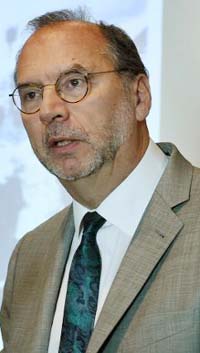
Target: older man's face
[(75, 140)]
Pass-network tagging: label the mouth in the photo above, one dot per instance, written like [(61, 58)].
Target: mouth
[(62, 144), (59, 141)]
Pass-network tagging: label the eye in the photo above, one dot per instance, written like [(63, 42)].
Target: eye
[(72, 81), (75, 82), (28, 94)]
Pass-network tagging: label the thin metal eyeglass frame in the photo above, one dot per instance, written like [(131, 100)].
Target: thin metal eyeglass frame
[(85, 75)]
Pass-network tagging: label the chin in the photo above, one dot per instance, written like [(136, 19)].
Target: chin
[(73, 170)]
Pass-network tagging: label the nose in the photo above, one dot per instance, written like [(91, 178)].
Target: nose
[(52, 106)]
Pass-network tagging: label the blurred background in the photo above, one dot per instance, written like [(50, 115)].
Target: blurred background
[(167, 36)]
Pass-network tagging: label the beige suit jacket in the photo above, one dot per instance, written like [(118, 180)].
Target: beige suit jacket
[(154, 303)]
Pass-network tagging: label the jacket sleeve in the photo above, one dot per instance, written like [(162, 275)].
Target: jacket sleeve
[(6, 309)]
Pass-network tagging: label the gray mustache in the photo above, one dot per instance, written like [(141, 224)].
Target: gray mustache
[(59, 130)]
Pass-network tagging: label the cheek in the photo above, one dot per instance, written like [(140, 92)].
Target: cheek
[(34, 130), (95, 113), (95, 123)]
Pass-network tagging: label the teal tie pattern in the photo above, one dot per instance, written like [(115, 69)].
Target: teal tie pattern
[(83, 289)]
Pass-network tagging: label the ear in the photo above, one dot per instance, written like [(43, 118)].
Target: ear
[(143, 97)]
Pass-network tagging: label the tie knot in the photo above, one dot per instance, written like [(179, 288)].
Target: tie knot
[(92, 222)]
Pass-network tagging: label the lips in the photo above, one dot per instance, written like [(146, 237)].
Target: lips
[(62, 145), (59, 141)]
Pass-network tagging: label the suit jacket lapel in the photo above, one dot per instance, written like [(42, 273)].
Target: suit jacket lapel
[(51, 276), (156, 232)]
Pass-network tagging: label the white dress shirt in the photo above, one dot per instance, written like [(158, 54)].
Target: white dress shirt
[(123, 210)]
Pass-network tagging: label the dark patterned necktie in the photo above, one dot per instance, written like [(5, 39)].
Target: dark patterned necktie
[(83, 288)]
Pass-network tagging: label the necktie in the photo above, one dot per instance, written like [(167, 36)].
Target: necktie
[(83, 288)]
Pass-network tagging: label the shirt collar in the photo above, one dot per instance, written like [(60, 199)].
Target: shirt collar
[(125, 205)]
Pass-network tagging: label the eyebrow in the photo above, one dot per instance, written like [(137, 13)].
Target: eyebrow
[(72, 68)]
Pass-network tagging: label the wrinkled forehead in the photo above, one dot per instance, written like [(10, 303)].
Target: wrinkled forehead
[(72, 41)]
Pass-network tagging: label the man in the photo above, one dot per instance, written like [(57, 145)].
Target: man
[(133, 283)]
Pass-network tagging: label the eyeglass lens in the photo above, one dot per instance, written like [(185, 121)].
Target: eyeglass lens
[(71, 87)]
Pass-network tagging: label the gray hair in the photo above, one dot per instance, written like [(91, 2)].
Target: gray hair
[(120, 47)]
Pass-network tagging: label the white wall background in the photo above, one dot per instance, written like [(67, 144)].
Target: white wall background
[(180, 93), (28, 193)]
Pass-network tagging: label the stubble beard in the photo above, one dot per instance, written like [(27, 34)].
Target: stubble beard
[(104, 146)]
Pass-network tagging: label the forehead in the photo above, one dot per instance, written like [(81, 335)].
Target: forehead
[(61, 46)]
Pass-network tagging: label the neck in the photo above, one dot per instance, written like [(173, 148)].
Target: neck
[(92, 190)]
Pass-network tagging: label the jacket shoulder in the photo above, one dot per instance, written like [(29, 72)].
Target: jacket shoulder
[(50, 226)]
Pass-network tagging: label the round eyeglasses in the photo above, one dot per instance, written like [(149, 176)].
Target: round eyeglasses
[(71, 86)]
